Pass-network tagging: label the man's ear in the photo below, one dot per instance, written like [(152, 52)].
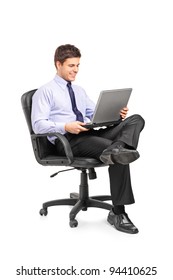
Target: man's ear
[(58, 65)]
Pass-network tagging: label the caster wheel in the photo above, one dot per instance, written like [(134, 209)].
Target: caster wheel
[(43, 212), (73, 223)]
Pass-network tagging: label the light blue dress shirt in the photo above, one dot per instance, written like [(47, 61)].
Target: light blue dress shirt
[(52, 109)]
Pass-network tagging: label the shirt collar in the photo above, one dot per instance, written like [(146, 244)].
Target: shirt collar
[(60, 81)]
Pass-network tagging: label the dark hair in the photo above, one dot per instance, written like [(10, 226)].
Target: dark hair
[(66, 51)]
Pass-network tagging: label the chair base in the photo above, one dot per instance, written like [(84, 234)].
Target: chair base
[(79, 201)]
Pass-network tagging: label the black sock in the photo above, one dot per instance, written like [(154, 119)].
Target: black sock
[(119, 209), (124, 145), (120, 143), (115, 144)]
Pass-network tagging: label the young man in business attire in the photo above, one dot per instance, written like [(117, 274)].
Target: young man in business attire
[(60, 106)]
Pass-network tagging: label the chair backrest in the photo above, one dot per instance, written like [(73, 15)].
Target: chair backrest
[(41, 146), (26, 101)]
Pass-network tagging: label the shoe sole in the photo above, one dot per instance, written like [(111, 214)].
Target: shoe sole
[(125, 157), (122, 158)]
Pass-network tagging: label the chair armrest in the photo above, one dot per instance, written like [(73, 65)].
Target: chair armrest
[(64, 141)]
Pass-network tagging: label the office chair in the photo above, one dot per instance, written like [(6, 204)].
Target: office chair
[(46, 154)]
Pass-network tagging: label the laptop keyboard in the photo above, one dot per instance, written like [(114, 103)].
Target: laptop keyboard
[(92, 125)]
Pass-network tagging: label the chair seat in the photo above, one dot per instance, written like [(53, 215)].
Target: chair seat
[(81, 162)]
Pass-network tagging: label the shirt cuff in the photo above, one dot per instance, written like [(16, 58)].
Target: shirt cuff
[(60, 127)]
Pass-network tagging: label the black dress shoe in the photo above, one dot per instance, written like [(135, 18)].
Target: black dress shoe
[(122, 222), (119, 154)]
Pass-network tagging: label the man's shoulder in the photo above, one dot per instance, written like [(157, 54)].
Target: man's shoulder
[(47, 88)]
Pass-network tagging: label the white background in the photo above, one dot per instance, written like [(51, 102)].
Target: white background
[(124, 43)]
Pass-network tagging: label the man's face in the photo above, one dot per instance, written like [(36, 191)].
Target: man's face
[(68, 69)]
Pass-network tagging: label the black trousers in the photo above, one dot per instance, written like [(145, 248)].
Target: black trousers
[(93, 142)]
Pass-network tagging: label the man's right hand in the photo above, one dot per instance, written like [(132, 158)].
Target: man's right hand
[(75, 127)]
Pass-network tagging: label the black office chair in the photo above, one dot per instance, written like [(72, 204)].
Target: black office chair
[(46, 154)]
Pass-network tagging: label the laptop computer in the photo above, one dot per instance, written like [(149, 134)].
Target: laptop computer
[(109, 104)]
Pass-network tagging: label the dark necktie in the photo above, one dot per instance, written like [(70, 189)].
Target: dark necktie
[(79, 116)]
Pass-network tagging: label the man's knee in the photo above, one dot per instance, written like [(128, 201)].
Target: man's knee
[(137, 119), (140, 120)]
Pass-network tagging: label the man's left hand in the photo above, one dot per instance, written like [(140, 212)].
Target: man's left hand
[(123, 112)]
